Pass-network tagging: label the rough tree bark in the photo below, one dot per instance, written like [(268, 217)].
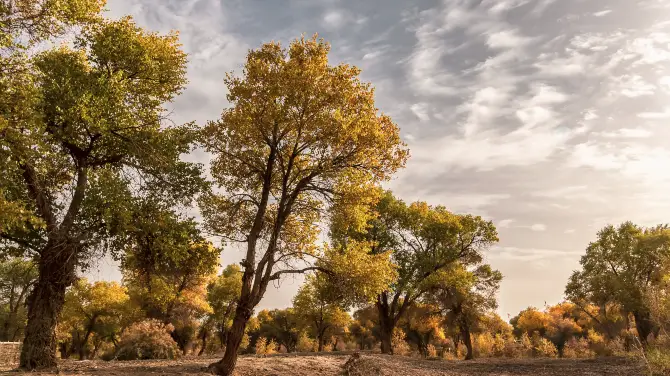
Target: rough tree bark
[(56, 274)]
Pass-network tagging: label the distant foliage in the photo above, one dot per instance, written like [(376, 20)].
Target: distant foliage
[(149, 339)]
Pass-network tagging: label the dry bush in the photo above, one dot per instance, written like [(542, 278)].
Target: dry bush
[(357, 365), (578, 348), (483, 345), (306, 344), (431, 351), (148, 339), (400, 346), (261, 346), (544, 348)]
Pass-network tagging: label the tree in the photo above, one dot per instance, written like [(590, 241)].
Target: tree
[(167, 266), (619, 267), (467, 297), (423, 325), (87, 133), (92, 308), (423, 240), (301, 135), (530, 321), (17, 276), (563, 325), (222, 296), (365, 328), (283, 326), (317, 307)]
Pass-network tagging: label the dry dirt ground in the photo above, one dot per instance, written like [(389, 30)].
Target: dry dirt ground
[(371, 364)]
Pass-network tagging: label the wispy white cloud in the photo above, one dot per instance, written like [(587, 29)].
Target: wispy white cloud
[(602, 13), (538, 227), (505, 223)]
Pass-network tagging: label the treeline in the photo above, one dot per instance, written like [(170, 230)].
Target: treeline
[(623, 282)]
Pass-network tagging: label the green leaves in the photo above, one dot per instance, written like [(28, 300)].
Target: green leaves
[(620, 265)]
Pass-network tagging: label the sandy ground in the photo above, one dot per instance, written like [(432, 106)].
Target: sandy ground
[(331, 365)]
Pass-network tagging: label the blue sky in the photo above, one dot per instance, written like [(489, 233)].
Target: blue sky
[(548, 117)]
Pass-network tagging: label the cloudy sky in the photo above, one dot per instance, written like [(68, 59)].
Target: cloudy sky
[(548, 117)]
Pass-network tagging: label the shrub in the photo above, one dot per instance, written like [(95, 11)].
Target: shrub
[(431, 351), (261, 346), (483, 345), (306, 344), (658, 360), (578, 348), (400, 346), (148, 339), (544, 347), (271, 347)]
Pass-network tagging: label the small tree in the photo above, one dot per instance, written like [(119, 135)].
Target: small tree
[(167, 265), (619, 267), (17, 277), (92, 308), (301, 134), (467, 297), (315, 305)]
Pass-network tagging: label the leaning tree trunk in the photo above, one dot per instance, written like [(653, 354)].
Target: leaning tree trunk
[(467, 339), (56, 274), (225, 366)]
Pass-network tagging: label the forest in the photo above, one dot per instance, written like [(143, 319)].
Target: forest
[(92, 167)]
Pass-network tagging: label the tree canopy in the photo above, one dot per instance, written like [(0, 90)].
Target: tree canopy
[(619, 267)]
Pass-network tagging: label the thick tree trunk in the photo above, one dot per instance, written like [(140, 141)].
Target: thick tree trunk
[(644, 325), (320, 340), (386, 326), (467, 339), (386, 335), (225, 366), (56, 274)]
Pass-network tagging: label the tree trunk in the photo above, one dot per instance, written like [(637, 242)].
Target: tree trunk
[(56, 273), (465, 332), (225, 366), (644, 325), (320, 340), (386, 342), (204, 343), (386, 326)]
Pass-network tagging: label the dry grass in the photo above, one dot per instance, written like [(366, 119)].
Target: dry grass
[(331, 365)]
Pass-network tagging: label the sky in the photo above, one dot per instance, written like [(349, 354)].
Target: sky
[(548, 117)]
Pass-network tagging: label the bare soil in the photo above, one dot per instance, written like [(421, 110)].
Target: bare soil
[(331, 365)]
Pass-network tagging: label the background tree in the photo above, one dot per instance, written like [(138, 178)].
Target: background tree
[(91, 308), (222, 296), (17, 276), (300, 135), (423, 325), (466, 297), (619, 267), (283, 326), (319, 309), (364, 328), (87, 136), (167, 265), (423, 240)]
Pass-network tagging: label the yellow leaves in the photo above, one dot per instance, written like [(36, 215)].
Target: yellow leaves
[(307, 131), (357, 273), (531, 320)]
